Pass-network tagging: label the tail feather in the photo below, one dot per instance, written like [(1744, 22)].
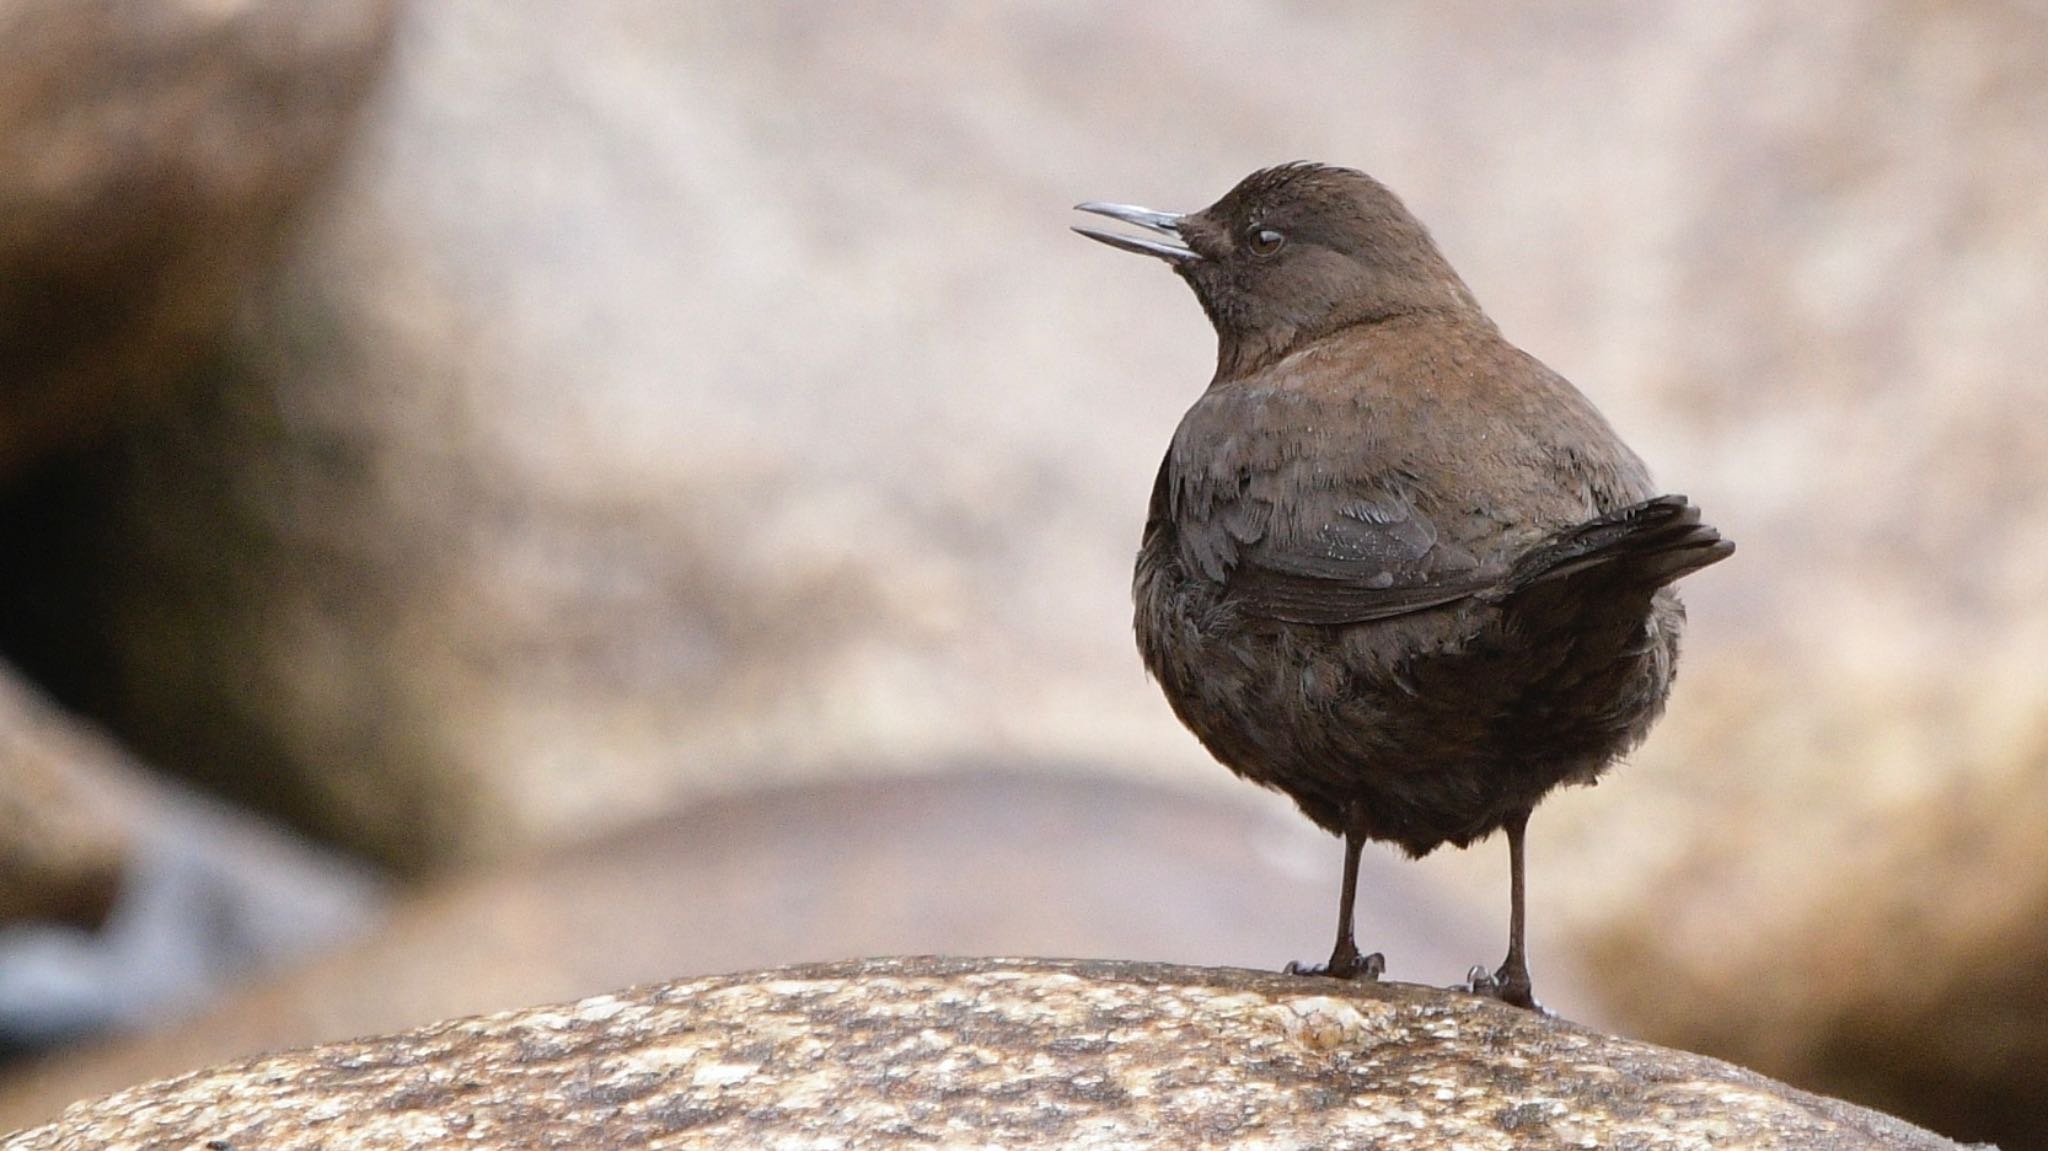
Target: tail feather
[(1650, 544)]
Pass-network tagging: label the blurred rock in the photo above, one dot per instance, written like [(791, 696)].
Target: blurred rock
[(957, 865), (64, 835), (149, 154), (681, 399), (1836, 909), (211, 901), (189, 898)]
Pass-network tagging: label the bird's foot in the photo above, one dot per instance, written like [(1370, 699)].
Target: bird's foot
[(1344, 965), (1512, 988)]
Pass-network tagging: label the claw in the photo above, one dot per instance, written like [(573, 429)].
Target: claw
[(1366, 967), (1496, 985)]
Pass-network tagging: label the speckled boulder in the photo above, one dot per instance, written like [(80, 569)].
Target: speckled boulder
[(986, 1053)]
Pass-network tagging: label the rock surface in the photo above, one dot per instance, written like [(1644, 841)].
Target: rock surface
[(1001, 1053), (149, 155)]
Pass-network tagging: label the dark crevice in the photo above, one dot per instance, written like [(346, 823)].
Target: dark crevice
[(56, 538)]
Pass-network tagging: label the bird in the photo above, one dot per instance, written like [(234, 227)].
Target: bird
[(1393, 566)]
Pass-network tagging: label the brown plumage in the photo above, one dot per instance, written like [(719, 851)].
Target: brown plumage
[(1394, 567)]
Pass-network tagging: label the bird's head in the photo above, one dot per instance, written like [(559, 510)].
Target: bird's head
[(1293, 253)]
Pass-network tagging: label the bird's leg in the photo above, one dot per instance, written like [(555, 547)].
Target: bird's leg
[(1511, 983), (1345, 961)]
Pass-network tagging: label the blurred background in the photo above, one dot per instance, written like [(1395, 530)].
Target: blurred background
[(500, 500)]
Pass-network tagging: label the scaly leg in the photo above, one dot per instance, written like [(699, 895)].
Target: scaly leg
[(1345, 961), (1511, 983)]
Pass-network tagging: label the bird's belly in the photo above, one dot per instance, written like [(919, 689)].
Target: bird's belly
[(1435, 726)]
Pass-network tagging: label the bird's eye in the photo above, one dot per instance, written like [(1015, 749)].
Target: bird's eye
[(1264, 241)]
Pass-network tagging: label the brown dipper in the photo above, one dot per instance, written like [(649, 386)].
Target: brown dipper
[(1394, 567)]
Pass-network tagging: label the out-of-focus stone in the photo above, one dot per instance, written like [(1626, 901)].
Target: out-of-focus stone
[(64, 826), (126, 901), (211, 900), (1835, 910), (988, 1052), (956, 864), (149, 154)]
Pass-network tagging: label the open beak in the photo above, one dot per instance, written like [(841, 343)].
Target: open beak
[(1173, 251)]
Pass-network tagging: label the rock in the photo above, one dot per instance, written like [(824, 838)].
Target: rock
[(211, 901), (1843, 918), (1069, 864), (63, 835), (922, 1052), (149, 155), (62, 830)]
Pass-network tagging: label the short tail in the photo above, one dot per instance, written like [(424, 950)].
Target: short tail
[(1647, 545)]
